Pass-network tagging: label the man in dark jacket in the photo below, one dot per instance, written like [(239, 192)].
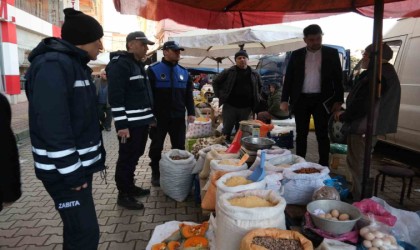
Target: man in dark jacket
[(131, 102), (313, 86), (9, 157), (172, 91), (64, 126), (357, 106), (104, 109), (238, 89)]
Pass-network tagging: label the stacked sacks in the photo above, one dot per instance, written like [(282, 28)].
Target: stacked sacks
[(209, 200), (227, 165), (217, 152), (175, 173), (226, 184), (238, 213), (270, 154), (201, 159), (302, 180), (218, 169), (279, 163)]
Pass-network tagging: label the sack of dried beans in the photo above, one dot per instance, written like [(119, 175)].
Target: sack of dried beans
[(275, 239)]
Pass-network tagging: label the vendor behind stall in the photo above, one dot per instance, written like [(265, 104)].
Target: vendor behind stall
[(238, 89), (273, 102)]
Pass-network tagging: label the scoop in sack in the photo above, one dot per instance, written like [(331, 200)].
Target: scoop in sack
[(259, 172)]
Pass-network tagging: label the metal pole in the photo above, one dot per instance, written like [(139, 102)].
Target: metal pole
[(375, 79)]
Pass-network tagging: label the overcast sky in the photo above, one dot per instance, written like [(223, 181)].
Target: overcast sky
[(350, 30)]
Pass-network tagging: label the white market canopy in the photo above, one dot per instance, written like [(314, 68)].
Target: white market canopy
[(257, 40)]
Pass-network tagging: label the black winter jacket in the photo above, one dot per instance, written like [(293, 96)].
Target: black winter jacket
[(224, 82), (9, 158), (63, 118), (386, 108), (331, 77), (129, 92)]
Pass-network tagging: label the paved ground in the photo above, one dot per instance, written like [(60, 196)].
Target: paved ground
[(33, 223)]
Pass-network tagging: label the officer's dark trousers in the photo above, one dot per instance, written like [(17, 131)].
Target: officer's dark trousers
[(77, 211), (128, 157), (176, 129), (307, 105)]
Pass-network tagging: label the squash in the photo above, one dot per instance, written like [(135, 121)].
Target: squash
[(197, 242), (173, 245), (188, 231), (159, 246), (175, 236)]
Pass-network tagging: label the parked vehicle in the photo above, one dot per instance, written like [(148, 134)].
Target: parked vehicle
[(404, 39)]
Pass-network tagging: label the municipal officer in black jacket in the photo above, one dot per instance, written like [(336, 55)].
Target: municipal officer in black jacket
[(64, 125), (131, 101), (312, 86), (172, 90), (9, 157)]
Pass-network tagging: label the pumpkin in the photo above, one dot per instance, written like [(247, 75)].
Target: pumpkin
[(197, 242), (175, 236), (188, 231), (159, 246), (173, 245)]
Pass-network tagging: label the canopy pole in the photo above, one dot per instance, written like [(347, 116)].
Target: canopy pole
[(374, 82)]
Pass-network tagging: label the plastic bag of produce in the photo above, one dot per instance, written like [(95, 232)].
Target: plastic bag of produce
[(301, 180), (175, 173), (326, 193), (200, 128)]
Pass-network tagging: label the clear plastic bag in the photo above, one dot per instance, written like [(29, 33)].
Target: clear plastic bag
[(378, 235), (326, 193)]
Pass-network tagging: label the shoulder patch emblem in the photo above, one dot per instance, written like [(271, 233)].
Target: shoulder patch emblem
[(162, 76), (181, 77)]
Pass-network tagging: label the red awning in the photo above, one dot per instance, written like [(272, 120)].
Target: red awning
[(210, 14)]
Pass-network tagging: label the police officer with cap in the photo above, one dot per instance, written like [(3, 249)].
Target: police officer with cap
[(172, 91), (131, 103)]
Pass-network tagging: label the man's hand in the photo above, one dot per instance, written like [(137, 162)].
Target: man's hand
[(284, 106), (124, 133), (85, 185), (337, 115), (336, 107), (191, 119)]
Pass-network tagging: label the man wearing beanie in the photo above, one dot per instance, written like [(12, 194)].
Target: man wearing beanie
[(64, 127), (313, 86), (238, 89), (172, 91), (357, 106), (131, 101)]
